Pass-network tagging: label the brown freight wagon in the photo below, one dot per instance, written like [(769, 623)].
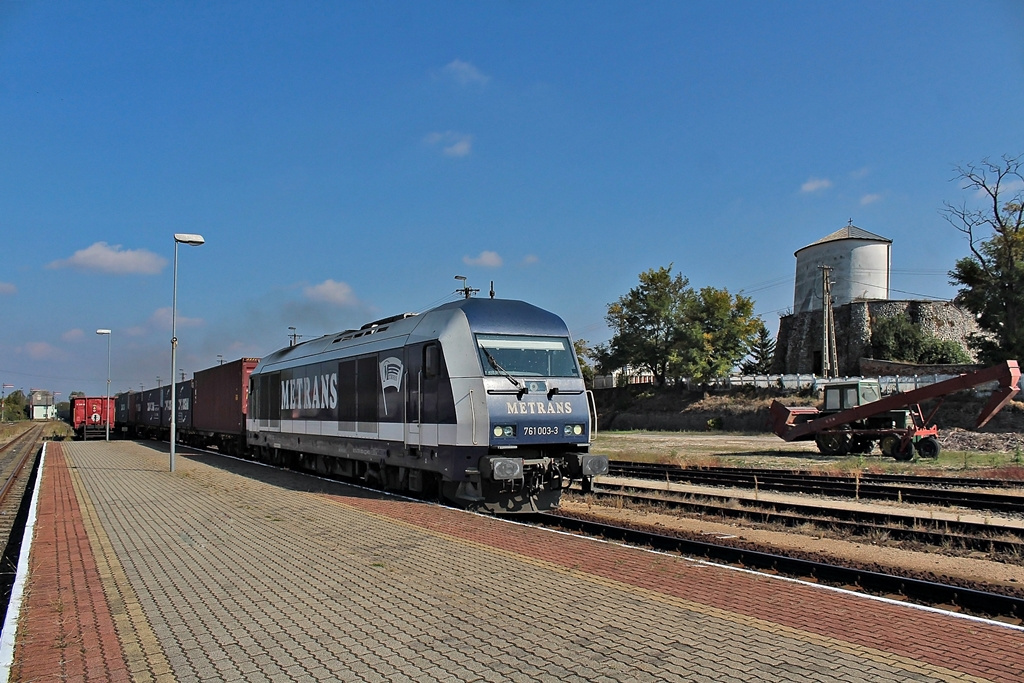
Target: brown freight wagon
[(220, 401)]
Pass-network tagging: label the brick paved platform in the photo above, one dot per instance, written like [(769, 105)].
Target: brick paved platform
[(228, 571)]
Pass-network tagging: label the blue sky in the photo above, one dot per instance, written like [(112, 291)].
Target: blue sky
[(345, 160)]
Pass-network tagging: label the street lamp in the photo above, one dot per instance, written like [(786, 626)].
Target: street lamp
[(106, 404), (195, 241)]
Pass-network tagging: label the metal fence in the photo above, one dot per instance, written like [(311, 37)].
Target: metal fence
[(889, 384)]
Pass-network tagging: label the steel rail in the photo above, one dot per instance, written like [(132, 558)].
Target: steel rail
[(965, 535), (873, 477), (919, 591), (827, 485), (25, 457)]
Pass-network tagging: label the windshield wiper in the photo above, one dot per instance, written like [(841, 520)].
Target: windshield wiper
[(504, 373)]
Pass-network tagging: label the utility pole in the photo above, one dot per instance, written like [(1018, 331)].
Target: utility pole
[(465, 289), (829, 357)]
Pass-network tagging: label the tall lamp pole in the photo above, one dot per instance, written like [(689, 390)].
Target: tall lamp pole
[(106, 405), (195, 241)]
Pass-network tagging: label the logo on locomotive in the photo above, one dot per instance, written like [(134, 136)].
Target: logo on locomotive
[(539, 407), (391, 371), (310, 393)]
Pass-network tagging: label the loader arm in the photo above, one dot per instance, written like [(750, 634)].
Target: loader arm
[(1007, 374)]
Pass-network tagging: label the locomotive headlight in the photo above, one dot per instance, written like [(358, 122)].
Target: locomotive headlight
[(504, 431), (506, 468), (573, 430)]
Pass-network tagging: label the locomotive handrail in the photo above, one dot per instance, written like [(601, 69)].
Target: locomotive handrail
[(592, 413), (472, 410)]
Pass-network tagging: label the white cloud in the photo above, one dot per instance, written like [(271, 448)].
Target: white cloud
[(489, 259), (464, 73), (816, 184), (104, 258), (860, 173), (530, 259), (452, 143), (161, 319), (72, 335), (7, 288), (1006, 189), (42, 351), (869, 199), (331, 292)]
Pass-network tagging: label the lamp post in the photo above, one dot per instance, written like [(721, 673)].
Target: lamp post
[(195, 241), (106, 404)]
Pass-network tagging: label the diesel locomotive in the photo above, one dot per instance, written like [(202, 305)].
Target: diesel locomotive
[(480, 401)]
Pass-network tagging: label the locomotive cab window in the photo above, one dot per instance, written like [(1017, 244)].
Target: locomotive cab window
[(527, 356), (431, 361)]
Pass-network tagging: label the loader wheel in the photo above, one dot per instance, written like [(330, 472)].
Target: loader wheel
[(891, 446), (929, 447), (833, 444), (862, 445)]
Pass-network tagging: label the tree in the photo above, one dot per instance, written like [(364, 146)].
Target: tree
[(583, 353), (15, 406), (991, 278), (727, 326), (665, 327), (900, 339), (649, 322), (761, 353)]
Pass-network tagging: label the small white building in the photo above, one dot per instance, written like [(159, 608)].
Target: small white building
[(40, 405)]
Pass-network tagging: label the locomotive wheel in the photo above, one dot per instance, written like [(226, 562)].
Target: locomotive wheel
[(929, 447), (833, 443)]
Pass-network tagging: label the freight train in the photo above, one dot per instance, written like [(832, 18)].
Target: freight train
[(92, 416), (480, 402)]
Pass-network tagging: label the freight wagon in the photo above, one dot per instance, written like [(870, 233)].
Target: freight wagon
[(91, 416), (211, 408)]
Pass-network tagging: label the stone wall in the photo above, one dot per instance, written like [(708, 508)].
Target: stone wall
[(798, 346)]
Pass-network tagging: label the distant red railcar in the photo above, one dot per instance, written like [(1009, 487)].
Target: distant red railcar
[(91, 415)]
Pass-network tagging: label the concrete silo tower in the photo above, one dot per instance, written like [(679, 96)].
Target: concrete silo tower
[(860, 268)]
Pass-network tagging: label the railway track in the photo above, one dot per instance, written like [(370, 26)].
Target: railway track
[(942, 491), (984, 535), (18, 469), (959, 598)]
